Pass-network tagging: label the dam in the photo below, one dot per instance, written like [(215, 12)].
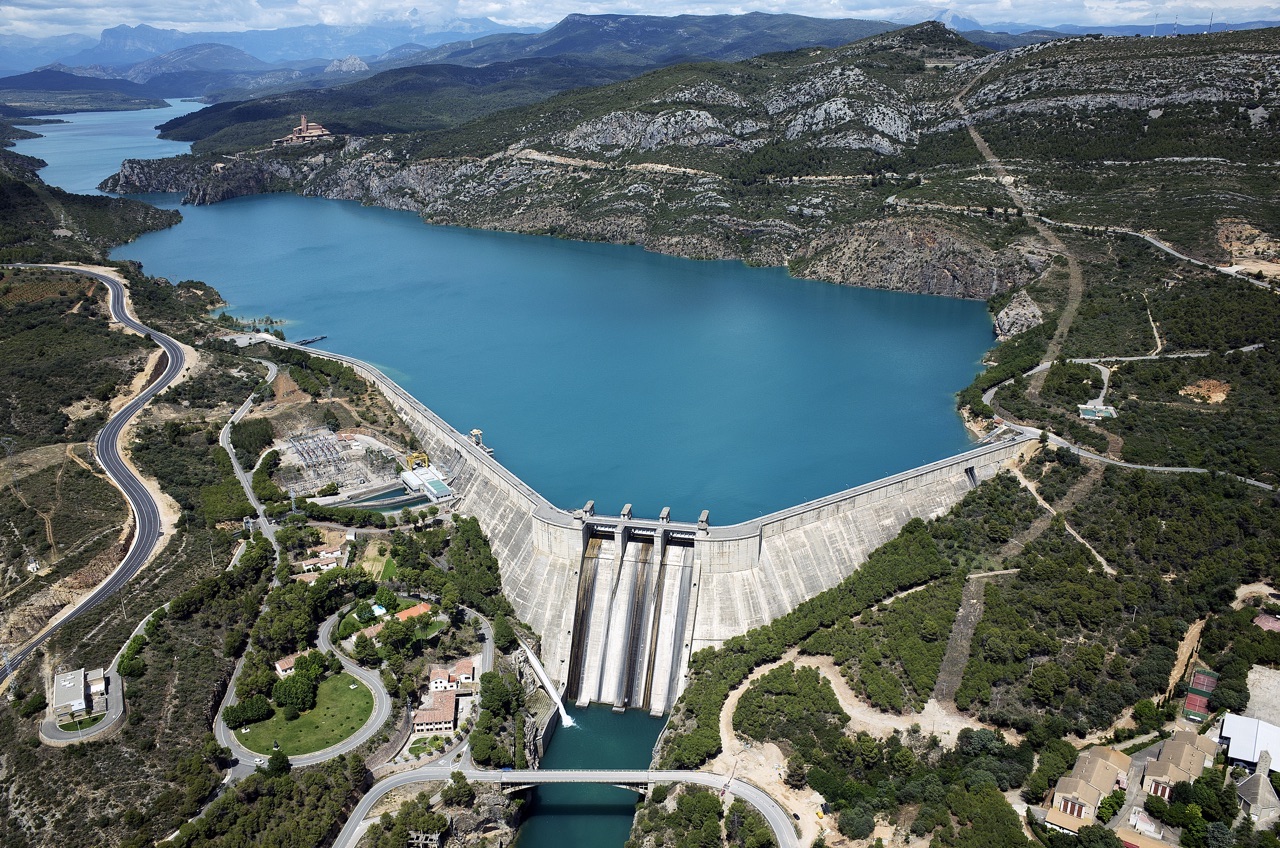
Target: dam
[(622, 602)]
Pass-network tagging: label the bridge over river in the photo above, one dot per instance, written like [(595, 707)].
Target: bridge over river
[(639, 780)]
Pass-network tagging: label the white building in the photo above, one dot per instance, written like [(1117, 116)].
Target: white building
[(69, 693), (1246, 739)]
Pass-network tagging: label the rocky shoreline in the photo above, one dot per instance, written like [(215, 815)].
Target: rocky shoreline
[(667, 210)]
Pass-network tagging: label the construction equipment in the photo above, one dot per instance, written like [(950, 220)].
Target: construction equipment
[(413, 460)]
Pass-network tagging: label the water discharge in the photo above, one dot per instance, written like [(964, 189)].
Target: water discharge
[(565, 719)]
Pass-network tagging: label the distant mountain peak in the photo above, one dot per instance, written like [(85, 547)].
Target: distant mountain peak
[(946, 16), (350, 65)]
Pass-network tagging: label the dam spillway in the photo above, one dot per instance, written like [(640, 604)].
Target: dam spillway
[(621, 603)]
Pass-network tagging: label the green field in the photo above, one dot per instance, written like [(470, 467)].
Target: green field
[(340, 711)]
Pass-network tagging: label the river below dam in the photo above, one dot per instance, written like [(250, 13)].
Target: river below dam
[(596, 371)]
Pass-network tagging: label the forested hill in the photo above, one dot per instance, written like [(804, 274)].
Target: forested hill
[(649, 40), (41, 223), (427, 90), (423, 97)]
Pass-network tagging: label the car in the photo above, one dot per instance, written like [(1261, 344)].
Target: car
[(257, 761)]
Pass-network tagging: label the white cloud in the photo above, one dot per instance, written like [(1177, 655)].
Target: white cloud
[(50, 17)]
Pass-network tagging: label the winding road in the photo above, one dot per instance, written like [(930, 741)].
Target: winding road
[(147, 526), (371, 679)]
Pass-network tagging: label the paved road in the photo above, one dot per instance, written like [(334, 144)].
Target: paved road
[(381, 711), (245, 478), (1058, 441), (147, 528), (779, 821)]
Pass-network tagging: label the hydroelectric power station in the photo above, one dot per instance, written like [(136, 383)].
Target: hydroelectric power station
[(622, 602)]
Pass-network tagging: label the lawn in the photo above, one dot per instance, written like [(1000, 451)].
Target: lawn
[(389, 569), (82, 724), (426, 745), (340, 711)]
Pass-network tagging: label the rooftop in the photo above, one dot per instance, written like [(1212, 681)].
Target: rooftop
[(436, 707), (1249, 738), (68, 688)]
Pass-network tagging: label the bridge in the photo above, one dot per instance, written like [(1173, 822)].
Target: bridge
[(622, 602), (779, 821)]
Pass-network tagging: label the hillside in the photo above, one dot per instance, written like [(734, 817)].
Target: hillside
[(423, 97), (411, 98), (52, 92), (648, 40), (850, 164)]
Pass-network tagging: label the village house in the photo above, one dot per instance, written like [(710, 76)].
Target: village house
[(1097, 773), (443, 680), (438, 713), (1183, 757), (285, 665), (1251, 744), (372, 631)]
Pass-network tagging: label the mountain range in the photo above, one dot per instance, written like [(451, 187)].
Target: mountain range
[(126, 45)]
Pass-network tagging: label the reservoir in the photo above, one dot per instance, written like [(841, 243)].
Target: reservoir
[(596, 371)]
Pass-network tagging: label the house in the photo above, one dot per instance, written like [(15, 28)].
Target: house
[(1257, 796), (97, 682), (438, 713), (414, 611), (1246, 739), (285, 665), (1183, 758), (69, 693), (446, 680), (1097, 773), (318, 563)]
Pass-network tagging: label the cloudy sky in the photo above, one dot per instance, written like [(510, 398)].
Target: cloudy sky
[(49, 17)]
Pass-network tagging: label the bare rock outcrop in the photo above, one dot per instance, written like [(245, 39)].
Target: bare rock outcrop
[(1021, 314), (916, 255)]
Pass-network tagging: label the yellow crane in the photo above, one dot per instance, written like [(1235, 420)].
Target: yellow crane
[(415, 459)]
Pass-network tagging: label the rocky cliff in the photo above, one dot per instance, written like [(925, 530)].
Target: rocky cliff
[(849, 164), (666, 210)]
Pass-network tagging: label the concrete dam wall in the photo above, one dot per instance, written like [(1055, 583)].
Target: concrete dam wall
[(622, 602)]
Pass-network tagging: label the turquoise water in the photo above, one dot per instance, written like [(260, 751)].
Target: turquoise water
[(590, 816), (89, 146), (596, 371)]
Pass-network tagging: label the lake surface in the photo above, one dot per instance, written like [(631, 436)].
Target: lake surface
[(596, 371)]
